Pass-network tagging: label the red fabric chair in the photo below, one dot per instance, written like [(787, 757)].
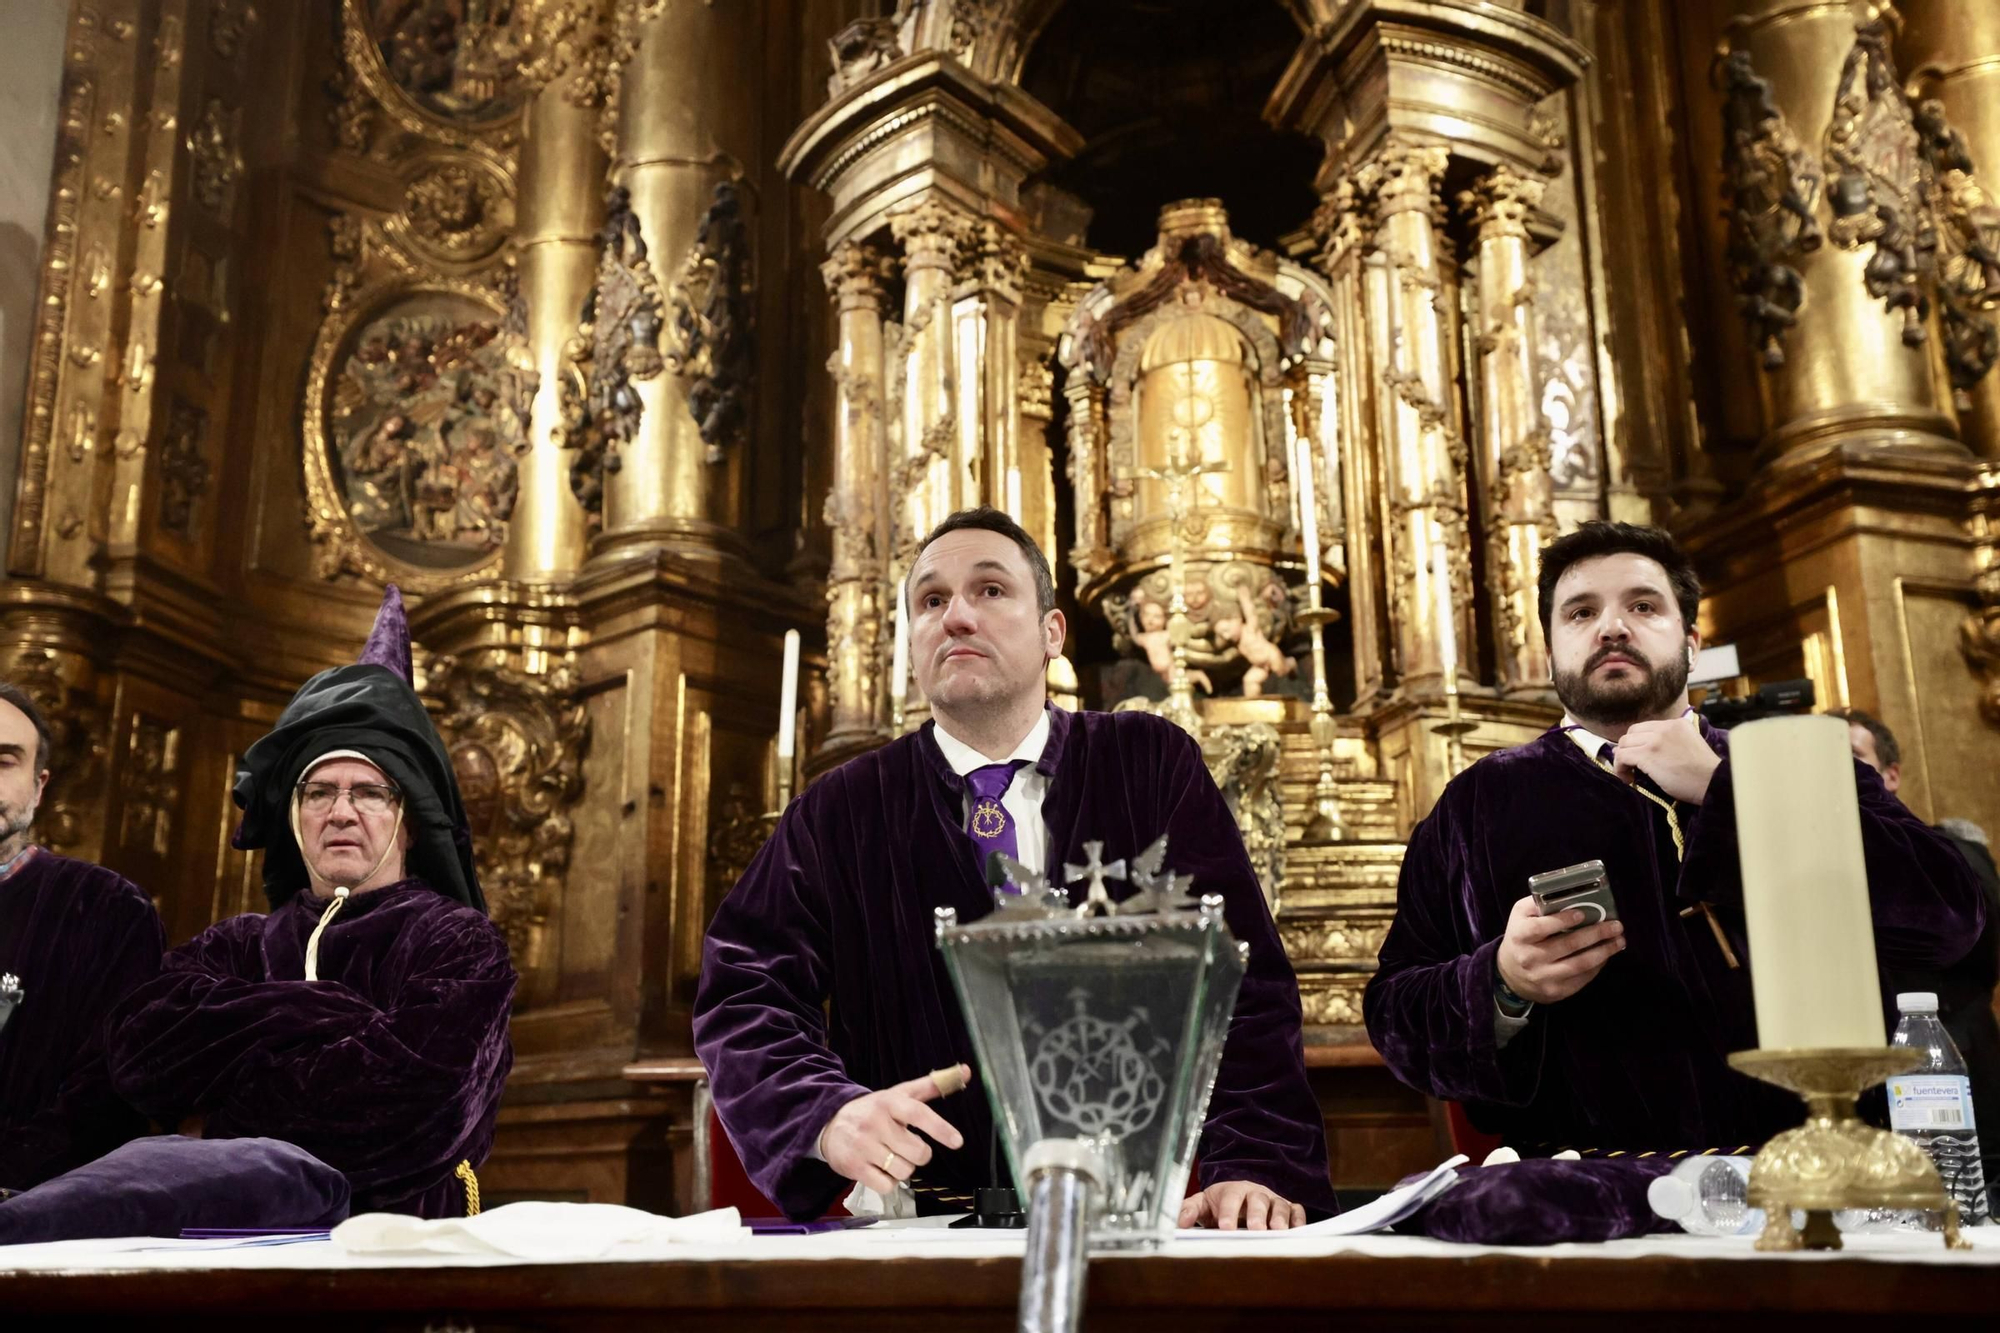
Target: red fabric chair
[(727, 1184), (1465, 1137)]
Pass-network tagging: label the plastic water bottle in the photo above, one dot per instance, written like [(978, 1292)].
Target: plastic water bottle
[(1708, 1196), (1933, 1105)]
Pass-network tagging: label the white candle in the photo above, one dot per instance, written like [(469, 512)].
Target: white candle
[(1302, 468), (899, 667), (1014, 494), (1805, 885), (1447, 616), (788, 699)]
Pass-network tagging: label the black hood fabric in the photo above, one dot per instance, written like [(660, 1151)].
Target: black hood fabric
[(368, 708)]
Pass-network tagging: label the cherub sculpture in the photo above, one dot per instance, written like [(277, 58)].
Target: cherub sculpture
[(1262, 658)]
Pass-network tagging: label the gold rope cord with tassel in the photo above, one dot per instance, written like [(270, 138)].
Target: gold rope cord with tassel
[(1680, 854), (340, 891), (471, 1179)]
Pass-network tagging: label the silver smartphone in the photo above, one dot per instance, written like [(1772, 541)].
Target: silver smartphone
[(1585, 887)]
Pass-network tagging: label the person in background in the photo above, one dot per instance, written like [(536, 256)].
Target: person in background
[(74, 940), (1965, 988)]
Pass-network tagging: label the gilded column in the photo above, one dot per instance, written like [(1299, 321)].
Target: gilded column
[(1822, 162), (986, 333), (859, 595), (1950, 50), (560, 210), (933, 475), (687, 125), (1360, 309), (1035, 397), (1516, 491), (1423, 454)]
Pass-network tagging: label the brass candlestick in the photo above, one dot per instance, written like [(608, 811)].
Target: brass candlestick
[(1834, 1161), (1325, 824)]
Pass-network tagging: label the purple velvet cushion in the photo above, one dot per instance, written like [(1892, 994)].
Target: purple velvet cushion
[(157, 1186), (1544, 1202)]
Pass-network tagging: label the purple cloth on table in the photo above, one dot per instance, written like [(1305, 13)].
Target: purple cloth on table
[(1635, 1060), (79, 937), (157, 1186), (389, 1068), (838, 904), (1542, 1202)]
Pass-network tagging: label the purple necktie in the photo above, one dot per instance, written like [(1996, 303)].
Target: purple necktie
[(992, 828)]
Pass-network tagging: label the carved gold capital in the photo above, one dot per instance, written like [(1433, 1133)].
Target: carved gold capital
[(994, 261), (856, 275), (1404, 176), (932, 234), (1498, 206), (1342, 221)]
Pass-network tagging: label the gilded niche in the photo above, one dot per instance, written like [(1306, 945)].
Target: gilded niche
[(1238, 613), (417, 410), (1195, 383)]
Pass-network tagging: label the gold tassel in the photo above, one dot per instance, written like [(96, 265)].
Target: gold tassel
[(471, 1179)]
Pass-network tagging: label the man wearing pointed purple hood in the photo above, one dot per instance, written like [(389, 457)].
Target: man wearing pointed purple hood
[(364, 1019)]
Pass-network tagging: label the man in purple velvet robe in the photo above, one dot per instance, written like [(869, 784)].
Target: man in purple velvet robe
[(1614, 1036), (821, 980), (365, 1018), (74, 939)]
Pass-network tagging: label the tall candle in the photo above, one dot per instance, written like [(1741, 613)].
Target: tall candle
[(1805, 885), (899, 667), (1446, 614), (1302, 468), (1014, 494), (788, 699)]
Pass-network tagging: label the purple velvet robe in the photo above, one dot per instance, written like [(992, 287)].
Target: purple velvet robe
[(1636, 1059), (389, 1068), (79, 937), (838, 906)]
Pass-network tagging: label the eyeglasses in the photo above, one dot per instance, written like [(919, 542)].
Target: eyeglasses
[(367, 798)]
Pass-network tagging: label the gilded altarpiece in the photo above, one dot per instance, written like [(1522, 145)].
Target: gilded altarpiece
[(625, 335)]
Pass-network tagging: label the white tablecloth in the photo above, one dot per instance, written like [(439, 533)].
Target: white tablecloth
[(917, 1240)]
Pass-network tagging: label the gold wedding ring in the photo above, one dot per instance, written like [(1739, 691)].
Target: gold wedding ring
[(948, 1080), (888, 1162)]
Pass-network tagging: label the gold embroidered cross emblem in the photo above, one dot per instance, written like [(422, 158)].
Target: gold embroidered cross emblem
[(989, 820)]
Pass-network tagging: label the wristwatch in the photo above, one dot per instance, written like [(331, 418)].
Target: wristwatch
[(1511, 1004)]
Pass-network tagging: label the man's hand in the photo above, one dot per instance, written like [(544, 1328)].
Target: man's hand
[(859, 1140), (1240, 1205), (1539, 963), (1672, 754)]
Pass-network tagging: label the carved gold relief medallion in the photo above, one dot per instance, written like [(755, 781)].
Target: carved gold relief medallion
[(417, 407)]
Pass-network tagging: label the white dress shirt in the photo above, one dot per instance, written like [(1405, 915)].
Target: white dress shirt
[(1023, 798)]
